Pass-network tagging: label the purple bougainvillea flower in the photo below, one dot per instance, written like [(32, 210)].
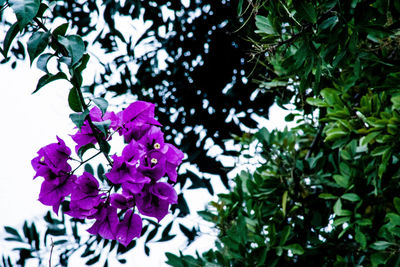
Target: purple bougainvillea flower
[(52, 194), (135, 184), (150, 205), (86, 192), (83, 137), (121, 202), (129, 228), (153, 165), (174, 157), (106, 222), (140, 111), (133, 152), (137, 120), (165, 192), (153, 139), (51, 161), (121, 170)]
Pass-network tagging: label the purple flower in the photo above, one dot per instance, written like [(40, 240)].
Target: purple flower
[(153, 139), (121, 170), (135, 184), (129, 228), (122, 202), (83, 137), (151, 205), (52, 194), (106, 222), (174, 157), (153, 165), (137, 119), (164, 191), (155, 198), (51, 161), (133, 151), (85, 196)]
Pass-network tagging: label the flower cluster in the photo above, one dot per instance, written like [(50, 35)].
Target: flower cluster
[(140, 172)]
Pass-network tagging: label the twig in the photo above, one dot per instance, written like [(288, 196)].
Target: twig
[(315, 140), (51, 251)]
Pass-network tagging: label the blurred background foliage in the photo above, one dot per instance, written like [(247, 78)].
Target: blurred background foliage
[(324, 192)]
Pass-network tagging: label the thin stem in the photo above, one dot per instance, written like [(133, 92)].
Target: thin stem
[(4, 7), (83, 162), (51, 251)]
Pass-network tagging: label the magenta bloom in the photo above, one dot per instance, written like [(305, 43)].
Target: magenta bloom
[(164, 191), (106, 222), (153, 139), (121, 170), (51, 161), (129, 228), (174, 158), (122, 202), (52, 194), (153, 165), (155, 199), (85, 196), (137, 119)]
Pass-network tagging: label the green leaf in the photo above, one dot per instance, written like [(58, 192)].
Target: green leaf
[(327, 196), (341, 180), (329, 22), (75, 47), (174, 260), (37, 43), (367, 139), (335, 133), (48, 78), (337, 208), (316, 102), (101, 103), (25, 10), (305, 11), (102, 126), (74, 101), (295, 248), (396, 202), (361, 238), (79, 118), (340, 221), (88, 168), (12, 231), (351, 197), (11, 33), (42, 61), (394, 218), (380, 245), (208, 216), (364, 222), (84, 148), (93, 260), (264, 25)]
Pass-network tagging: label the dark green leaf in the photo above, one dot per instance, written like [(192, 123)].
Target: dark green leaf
[(48, 78), (79, 118), (101, 103), (42, 61), (75, 47), (152, 234), (88, 168), (93, 260), (25, 10), (305, 11), (12, 231), (11, 33), (102, 126), (84, 148), (351, 197), (74, 101)]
